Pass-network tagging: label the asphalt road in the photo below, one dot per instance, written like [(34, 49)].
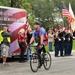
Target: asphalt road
[(60, 66)]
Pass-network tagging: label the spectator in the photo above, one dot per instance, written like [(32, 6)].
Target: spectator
[(22, 44), (5, 44), (1, 38), (50, 39), (29, 35)]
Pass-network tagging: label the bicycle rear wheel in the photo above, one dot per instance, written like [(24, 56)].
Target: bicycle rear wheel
[(34, 62), (47, 61)]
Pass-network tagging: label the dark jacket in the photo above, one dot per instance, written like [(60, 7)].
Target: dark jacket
[(29, 37), (68, 38), (61, 35)]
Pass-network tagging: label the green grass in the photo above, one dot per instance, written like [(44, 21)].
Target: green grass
[(47, 47), (73, 45)]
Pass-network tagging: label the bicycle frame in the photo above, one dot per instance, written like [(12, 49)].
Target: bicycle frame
[(34, 57)]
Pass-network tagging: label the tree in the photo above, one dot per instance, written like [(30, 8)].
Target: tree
[(58, 5), (43, 11), (25, 4), (4, 2), (48, 12)]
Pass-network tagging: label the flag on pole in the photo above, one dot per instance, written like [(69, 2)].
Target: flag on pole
[(69, 14), (71, 19), (65, 11), (71, 11)]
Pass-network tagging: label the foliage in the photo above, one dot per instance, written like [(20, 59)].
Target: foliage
[(43, 11), (4, 2), (48, 12)]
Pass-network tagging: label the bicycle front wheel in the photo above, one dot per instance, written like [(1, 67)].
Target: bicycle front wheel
[(34, 62), (47, 61)]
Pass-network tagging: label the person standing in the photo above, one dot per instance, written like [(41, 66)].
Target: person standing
[(1, 38), (29, 35), (68, 42), (50, 39), (56, 43), (5, 44), (60, 37), (71, 44), (22, 44)]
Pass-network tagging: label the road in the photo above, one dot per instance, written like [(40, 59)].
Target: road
[(60, 66)]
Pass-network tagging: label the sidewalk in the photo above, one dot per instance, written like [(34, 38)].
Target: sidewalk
[(62, 58), (73, 51)]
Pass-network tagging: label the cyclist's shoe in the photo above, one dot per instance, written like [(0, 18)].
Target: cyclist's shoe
[(39, 65)]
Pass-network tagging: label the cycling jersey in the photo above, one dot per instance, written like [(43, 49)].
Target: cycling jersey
[(41, 32)]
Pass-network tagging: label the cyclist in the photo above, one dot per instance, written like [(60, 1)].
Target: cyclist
[(43, 40)]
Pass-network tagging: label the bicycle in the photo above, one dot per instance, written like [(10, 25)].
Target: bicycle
[(45, 59)]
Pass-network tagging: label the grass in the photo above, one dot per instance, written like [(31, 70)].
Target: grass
[(73, 45), (47, 47)]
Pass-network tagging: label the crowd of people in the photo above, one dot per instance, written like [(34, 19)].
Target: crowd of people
[(61, 37), (63, 41), (25, 38)]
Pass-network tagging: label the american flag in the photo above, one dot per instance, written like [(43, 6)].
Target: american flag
[(65, 11)]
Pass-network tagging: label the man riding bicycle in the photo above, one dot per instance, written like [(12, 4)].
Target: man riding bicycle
[(40, 32)]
